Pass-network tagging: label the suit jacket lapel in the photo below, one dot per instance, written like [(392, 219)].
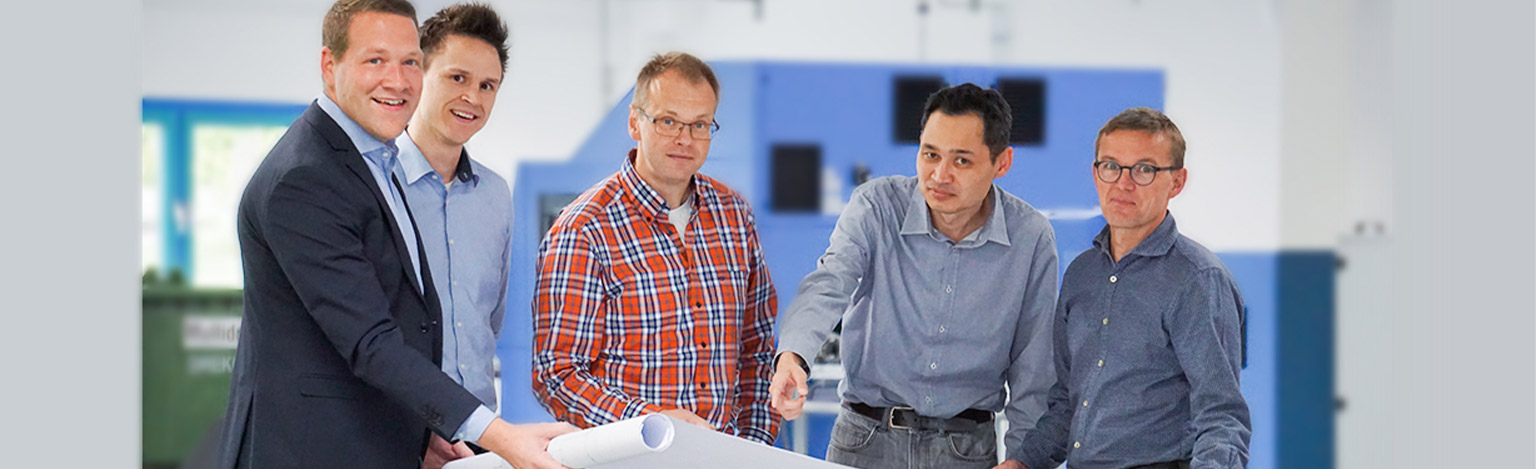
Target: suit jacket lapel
[(429, 292), (353, 160)]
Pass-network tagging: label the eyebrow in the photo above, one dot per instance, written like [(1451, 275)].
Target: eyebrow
[(383, 51), (1117, 160), (963, 151), (665, 113)]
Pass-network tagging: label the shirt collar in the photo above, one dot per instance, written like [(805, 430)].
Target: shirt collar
[(1158, 243), (365, 142), (996, 229), (414, 165), (917, 221), (649, 198)]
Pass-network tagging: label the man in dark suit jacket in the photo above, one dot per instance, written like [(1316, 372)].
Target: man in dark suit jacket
[(338, 358)]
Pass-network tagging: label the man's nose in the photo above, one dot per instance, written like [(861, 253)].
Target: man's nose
[(1125, 183), (684, 137), (943, 173)]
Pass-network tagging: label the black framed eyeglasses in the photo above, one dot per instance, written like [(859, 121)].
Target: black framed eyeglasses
[(1141, 173), (669, 127)]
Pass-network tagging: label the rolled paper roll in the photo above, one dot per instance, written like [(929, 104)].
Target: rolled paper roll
[(613, 442)]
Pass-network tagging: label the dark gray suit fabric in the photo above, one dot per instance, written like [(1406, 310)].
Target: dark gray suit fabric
[(338, 358)]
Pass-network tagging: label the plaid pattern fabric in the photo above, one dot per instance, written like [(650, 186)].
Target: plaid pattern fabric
[(631, 320)]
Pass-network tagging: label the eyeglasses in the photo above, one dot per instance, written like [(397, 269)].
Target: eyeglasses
[(669, 127), (1141, 173)]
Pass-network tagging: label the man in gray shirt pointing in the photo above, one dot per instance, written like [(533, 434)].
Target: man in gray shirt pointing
[(945, 285)]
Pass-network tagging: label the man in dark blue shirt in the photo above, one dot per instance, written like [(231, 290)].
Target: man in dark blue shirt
[(1148, 327)]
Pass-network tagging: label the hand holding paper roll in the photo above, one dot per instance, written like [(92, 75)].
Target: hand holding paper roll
[(613, 442), (686, 416), (521, 445)]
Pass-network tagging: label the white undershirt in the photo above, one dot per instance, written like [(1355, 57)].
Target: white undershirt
[(679, 217)]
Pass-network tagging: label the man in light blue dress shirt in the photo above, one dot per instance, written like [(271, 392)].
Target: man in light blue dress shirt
[(338, 364), (1148, 332), (462, 209), (945, 285)]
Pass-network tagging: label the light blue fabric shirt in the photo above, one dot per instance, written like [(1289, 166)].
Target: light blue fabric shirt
[(930, 323), (380, 156), (466, 228)]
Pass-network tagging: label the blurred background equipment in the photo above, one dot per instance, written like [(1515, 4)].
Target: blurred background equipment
[(189, 339)]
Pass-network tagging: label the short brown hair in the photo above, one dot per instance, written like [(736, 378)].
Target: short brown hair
[(472, 20), (691, 67), (333, 32), (1146, 120)]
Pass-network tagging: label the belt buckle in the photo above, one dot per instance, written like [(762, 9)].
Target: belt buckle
[(890, 418)]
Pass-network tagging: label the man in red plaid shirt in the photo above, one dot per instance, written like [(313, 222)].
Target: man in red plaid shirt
[(652, 294)]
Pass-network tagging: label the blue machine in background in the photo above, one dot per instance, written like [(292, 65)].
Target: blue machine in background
[(796, 138)]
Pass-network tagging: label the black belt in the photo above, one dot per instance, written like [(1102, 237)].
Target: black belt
[(904, 418), (1164, 465)]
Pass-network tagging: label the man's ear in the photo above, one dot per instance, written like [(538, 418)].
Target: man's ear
[(1180, 176), (1004, 162), (634, 124), (328, 70)]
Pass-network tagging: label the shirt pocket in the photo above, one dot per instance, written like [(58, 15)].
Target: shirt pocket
[(644, 309)]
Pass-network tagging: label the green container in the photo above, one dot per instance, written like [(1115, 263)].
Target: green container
[(189, 350)]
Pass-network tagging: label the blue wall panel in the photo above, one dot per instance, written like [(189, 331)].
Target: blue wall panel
[(1305, 349), (1255, 276)]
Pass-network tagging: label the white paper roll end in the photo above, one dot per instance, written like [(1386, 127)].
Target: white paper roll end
[(656, 431)]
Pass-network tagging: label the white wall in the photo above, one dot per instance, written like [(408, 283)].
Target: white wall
[(1436, 358), (1222, 60), (1337, 168)]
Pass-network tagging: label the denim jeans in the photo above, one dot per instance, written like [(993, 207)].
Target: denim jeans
[(867, 443)]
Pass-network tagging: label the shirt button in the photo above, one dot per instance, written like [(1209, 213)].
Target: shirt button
[(450, 242), (927, 399), (1112, 279), (933, 366), (1085, 403), (941, 329), (463, 367), (1101, 362), (1077, 445), (947, 289), (461, 324), (1106, 321)]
